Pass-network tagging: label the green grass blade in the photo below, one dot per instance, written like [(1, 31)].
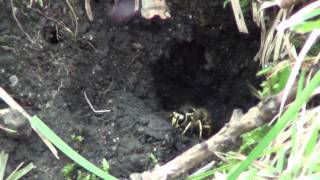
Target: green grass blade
[(311, 14), (313, 139), (281, 123), (294, 139), (306, 26), (294, 130), (308, 151), (264, 71), (3, 162), (301, 81), (20, 173), (313, 164), (281, 160), (67, 150)]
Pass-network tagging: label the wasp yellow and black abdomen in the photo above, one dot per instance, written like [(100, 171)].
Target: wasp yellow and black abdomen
[(194, 120)]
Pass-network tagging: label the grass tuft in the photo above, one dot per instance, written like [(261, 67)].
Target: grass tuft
[(18, 173)]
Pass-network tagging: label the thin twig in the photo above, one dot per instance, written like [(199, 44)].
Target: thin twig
[(14, 11), (87, 6), (75, 18), (58, 22), (91, 106), (11, 131)]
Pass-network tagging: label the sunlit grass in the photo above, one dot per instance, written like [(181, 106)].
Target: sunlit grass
[(282, 122), (290, 149)]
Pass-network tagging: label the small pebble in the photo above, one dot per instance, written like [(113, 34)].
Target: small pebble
[(13, 80)]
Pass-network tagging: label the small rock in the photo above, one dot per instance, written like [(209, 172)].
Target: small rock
[(13, 80)]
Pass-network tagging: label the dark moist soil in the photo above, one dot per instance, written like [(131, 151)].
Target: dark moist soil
[(141, 70)]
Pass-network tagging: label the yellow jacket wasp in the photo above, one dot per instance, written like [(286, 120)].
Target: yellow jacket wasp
[(192, 119)]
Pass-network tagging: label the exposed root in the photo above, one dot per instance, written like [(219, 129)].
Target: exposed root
[(58, 22), (91, 106), (14, 11), (75, 18)]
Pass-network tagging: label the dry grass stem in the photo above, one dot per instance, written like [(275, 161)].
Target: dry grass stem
[(91, 106), (237, 12), (87, 6)]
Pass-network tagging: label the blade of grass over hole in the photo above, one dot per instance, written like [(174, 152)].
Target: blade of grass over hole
[(17, 174), (3, 162), (67, 150), (278, 127)]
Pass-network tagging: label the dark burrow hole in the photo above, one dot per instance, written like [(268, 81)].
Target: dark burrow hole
[(208, 75), (51, 34)]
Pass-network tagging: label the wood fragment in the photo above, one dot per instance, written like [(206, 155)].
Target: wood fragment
[(87, 6)]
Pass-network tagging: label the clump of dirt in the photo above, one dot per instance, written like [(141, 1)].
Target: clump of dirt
[(141, 70)]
